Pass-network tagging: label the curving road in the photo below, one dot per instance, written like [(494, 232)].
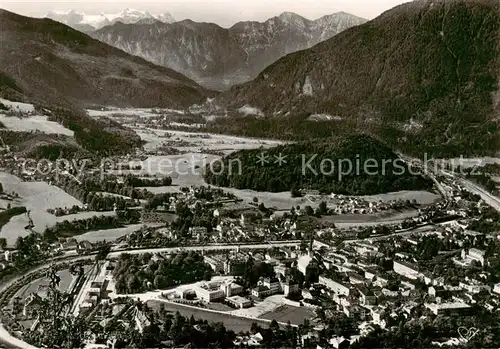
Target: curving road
[(13, 342), (487, 197)]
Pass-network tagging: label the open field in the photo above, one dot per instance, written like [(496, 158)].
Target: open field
[(18, 106), (37, 197), (161, 190), (110, 234), (290, 313), (185, 170), (236, 324), (347, 221), (422, 197), (34, 123), (199, 141)]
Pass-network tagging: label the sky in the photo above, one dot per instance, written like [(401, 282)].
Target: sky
[(222, 12)]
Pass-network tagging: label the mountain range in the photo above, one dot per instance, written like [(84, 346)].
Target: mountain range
[(423, 77), (87, 23), (216, 57), (48, 62)]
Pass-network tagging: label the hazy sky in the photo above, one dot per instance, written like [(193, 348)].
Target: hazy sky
[(222, 12)]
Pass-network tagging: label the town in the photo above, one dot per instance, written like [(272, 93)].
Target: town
[(295, 277)]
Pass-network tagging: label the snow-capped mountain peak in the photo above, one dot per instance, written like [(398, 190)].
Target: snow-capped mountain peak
[(90, 22)]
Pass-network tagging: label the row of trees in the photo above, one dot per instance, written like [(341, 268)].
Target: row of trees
[(88, 194), (6, 215), (80, 226), (132, 181)]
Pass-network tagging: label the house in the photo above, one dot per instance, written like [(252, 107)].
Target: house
[(339, 342), (239, 302), (290, 287), (69, 245), (355, 311), (261, 291), (199, 232), (309, 339), (231, 289), (436, 291), (273, 284), (496, 289), (85, 245), (267, 287), (366, 296), (234, 266), (251, 341), (355, 278), (451, 308), (215, 263), (473, 286), (378, 314), (406, 269), (337, 287), (209, 292), (380, 280), (475, 255)]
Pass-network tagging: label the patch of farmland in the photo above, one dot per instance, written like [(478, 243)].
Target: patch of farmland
[(34, 123), (346, 221), (37, 197), (198, 141), (103, 193), (83, 215), (185, 169), (111, 234), (18, 106), (161, 190), (137, 112), (422, 197), (278, 201)]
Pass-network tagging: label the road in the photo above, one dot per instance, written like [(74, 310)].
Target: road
[(425, 169), (409, 232), (208, 248), (489, 198)]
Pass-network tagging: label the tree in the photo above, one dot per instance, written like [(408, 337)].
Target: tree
[(1, 188), (295, 193), (323, 209), (254, 328), (255, 200), (274, 326), (3, 243), (262, 207), (19, 243), (309, 210)]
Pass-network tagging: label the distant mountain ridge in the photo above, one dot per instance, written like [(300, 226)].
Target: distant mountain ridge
[(48, 62), (424, 76), (219, 57), (86, 22)]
